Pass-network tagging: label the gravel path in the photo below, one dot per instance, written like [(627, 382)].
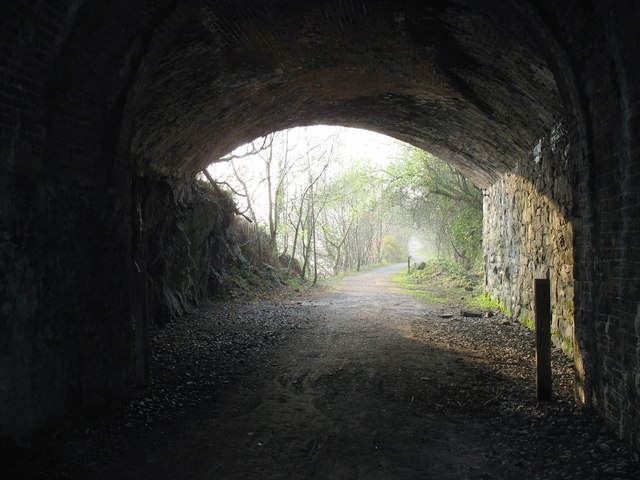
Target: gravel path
[(363, 382)]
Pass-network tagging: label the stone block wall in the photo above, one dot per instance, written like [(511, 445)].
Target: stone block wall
[(528, 234)]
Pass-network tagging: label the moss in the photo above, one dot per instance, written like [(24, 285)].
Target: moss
[(484, 300), (427, 296), (568, 308), (527, 321), (504, 309), (438, 282), (488, 302), (564, 343)]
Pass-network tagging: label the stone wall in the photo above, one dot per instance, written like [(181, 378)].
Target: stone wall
[(528, 234)]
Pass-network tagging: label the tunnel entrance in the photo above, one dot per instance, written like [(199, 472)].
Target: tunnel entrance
[(104, 139), (323, 200), (453, 89)]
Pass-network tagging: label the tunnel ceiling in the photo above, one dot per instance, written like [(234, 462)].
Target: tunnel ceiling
[(465, 80)]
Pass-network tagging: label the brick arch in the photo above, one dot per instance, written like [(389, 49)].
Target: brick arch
[(444, 79), (474, 86)]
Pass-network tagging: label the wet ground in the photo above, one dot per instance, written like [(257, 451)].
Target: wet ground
[(363, 382)]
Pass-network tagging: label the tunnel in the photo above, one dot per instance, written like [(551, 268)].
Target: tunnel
[(110, 109)]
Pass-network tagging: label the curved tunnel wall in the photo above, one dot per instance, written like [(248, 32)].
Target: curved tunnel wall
[(103, 99)]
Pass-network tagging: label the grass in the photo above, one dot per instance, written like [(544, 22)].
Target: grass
[(405, 282), (263, 281), (442, 282), (487, 302)]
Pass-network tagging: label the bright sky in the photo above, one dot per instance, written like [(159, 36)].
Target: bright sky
[(366, 145), (358, 144), (355, 145)]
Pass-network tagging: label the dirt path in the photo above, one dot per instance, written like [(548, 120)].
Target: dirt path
[(365, 382), (374, 388), (347, 398)]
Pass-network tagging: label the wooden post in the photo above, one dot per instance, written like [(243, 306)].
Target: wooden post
[(543, 339), (409, 264)]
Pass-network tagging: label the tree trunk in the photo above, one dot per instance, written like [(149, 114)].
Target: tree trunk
[(315, 249)]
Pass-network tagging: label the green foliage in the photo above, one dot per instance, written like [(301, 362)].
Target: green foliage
[(442, 201), (441, 281), (359, 222), (392, 250), (527, 321), (453, 272), (330, 215), (565, 344), (466, 233), (487, 302), (408, 284)]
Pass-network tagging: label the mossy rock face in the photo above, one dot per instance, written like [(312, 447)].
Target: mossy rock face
[(290, 264), (189, 247), (561, 342)]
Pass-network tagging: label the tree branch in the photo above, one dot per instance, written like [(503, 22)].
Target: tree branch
[(217, 189)]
